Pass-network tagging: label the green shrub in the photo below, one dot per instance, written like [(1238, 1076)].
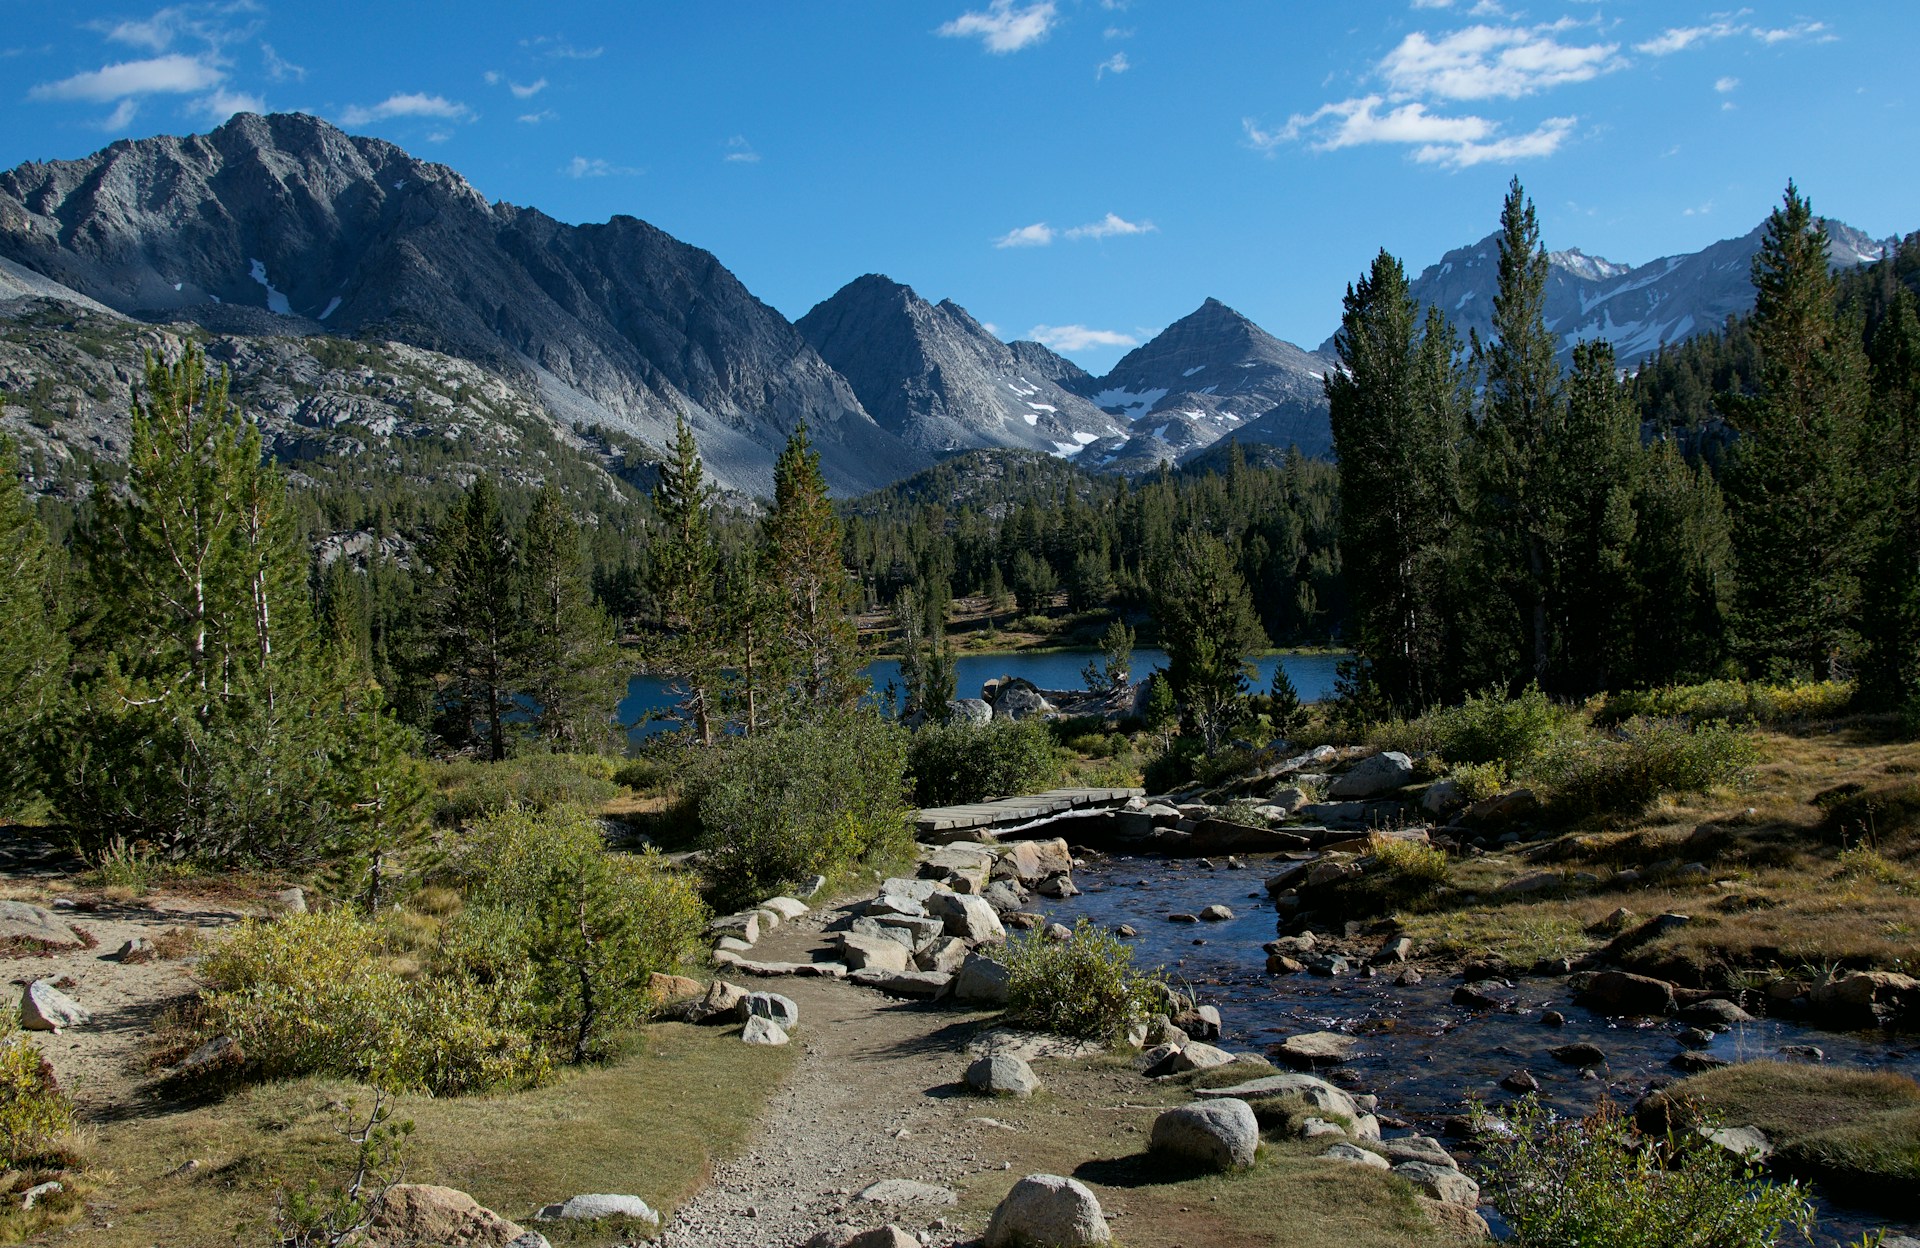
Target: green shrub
[(470, 789), (1420, 865), (1494, 728), (1641, 760), (1599, 1183), (1083, 986), (35, 1115), (955, 763), (316, 993), (1732, 700), (1173, 767), (1479, 781), (807, 799), (576, 929), (642, 774)]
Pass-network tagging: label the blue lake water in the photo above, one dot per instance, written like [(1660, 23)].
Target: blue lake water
[(1312, 675)]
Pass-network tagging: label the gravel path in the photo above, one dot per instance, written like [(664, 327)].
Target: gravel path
[(876, 1095)]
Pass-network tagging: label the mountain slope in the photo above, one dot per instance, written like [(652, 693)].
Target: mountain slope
[(1637, 309), (1209, 373), (934, 376), (284, 224)]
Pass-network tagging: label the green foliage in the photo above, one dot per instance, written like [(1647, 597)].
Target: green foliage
[(313, 1218), (473, 619), (807, 798), (1162, 709), (1286, 714), (468, 789), (688, 646), (1492, 727), (574, 676), (317, 993), (1113, 671), (32, 649), (1208, 627), (1083, 986), (590, 926), (35, 1115), (1597, 1183), (1479, 781), (207, 717), (1641, 760), (1419, 866), (816, 650), (1735, 701), (955, 763)]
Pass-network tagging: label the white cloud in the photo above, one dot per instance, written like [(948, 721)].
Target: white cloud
[(1544, 140), (1680, 38), (1111, 226), (534, 119), (583, 167), (222, 104), (1039, 234), (528, 90), (991, 328), (1432, 4), (122, 116), (280, 69), (407, 104), (1455, 142), (740, 152), (1115, 64), (1004, 28), (210, 22), (153, 33), (1489, 62), (1701, 211), (172, 73), (1079, 337), (560, 49), (1726, 86)]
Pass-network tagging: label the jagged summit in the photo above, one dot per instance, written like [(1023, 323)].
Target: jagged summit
[(932, 375), (285, 224)]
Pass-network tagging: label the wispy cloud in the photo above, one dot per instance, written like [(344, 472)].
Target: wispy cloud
[(740, 152), (1680, 38), (1493, 62), (534, 119), (593, 167), (1455, 142), (1079, 337), (1111, 226), (1727, 86), (560, 49), (1039, 234), (407, 104), (280, 69), (1115, 64), (219, 105), (121, 117), (216, 23), (1004, 27), (174, 73)]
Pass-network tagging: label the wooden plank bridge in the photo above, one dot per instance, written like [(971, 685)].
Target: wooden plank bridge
[(986, 820)]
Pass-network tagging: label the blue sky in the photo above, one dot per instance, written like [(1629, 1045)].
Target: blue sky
[(1084, 171)]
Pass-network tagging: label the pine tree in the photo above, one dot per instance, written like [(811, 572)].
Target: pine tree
[(572, 667), (208, 716), (1208, 628), (1681, 567), (1285, 711), (1793, 482), (1890, 606), (1591, 462), (813, 594), (1520, 405), (33, 649), (1395, 409), (476, 621), (689, 653)]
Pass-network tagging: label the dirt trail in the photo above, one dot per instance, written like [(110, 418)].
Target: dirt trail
[(877, 1094), (103, 1064)]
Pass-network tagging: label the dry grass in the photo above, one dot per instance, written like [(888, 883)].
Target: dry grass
[(651, 1123), (1092, 1122), (1815, 862), (1857, 1132)]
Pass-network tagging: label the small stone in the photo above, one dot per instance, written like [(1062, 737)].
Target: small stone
[(763, 1031), (135, 951), (1520, 1081), (1281, 964), (1002, 1074), (1059, 933), (1693, 1061), (1216, 914), (1221, 1134), (1197, 1056), (1474, 999), (1579, 1053), (1696, 1037), (45, 1008), (1125, 931), (1356, 1155), (1441, 1183), (1315, 1048), (597, 1205), (1553, 1018), (907, 1192), (290, 901), (1183, 918)]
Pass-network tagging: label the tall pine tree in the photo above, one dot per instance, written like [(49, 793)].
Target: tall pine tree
[(1890, 598), (573, 674), (813, 594), (688, 652), (1208, 628), (33, 649), (475, 620), (1793, 484)]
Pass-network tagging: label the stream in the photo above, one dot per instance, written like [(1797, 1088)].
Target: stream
[(1421, 1054)]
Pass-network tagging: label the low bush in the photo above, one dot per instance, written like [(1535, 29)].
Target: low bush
[(1732, 700), (807, 799), (642, 774), (469, 789), (1599, 1183), (1639, 761), (1419, 865), (35, 1115), (575, 929), (1084, 986), (955, 763), (1479, 781), (1494, 728)]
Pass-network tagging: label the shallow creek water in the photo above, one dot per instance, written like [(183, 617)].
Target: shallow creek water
[(1422, 1055)]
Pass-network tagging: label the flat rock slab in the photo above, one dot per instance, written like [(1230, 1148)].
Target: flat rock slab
[(26, 923), (907, 1192), (594, 1206), (800, 970), (922, 985), (1316, 1048)]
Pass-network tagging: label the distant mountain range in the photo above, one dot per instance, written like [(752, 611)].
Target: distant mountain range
[(273, 234)]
